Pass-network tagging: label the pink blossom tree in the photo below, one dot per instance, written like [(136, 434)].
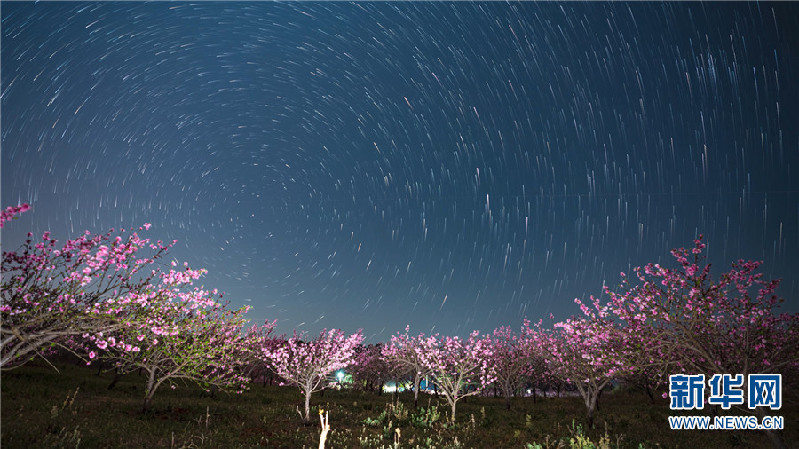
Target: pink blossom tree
[(586, 352), (258, 337), (460, 367), (512, 360), (100, 294), (537, 371), (51, 294), (708, 326), (696, 324), (647, 376), (403, 352), (185, 335), (11, 212), (370, 369), (306, 364)]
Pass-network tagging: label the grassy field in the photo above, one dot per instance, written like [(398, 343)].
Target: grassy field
[(42, 408)]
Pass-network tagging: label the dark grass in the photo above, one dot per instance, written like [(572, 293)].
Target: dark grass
[(38, 412)]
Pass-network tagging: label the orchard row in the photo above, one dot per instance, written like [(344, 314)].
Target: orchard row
[(112, 298)]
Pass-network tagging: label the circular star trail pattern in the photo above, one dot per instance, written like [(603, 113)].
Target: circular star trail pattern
[(448, 166)]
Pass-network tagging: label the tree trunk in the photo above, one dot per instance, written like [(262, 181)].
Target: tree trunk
[(151, 387), (147, 400), (507, 392), (591, 408), (452, 405), (599, 395), (307, 418), (650, 394), (774, 436), (117, 376), (416, 386)]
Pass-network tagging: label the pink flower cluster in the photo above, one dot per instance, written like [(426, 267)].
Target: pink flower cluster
[(11, 212), (306, 364)]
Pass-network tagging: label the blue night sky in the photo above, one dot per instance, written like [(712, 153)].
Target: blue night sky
[(445, 165)]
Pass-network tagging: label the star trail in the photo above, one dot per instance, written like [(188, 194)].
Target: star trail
[(452, 166)]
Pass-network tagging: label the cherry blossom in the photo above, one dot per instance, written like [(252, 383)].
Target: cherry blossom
[(402, 351), (460, 367), (306, 364)]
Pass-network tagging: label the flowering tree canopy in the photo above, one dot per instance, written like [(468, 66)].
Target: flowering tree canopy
[(511, 360), (588, 353), (87, 286), (460, 367), (256, 339), (706, 326), (403, 352), (11, 212), (685, 320), (306, 364), (187, 335), (370, 369)]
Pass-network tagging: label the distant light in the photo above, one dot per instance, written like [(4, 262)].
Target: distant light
[(391, 387), (339, 375)]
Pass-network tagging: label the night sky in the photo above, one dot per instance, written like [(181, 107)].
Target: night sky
[(372, 165)]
